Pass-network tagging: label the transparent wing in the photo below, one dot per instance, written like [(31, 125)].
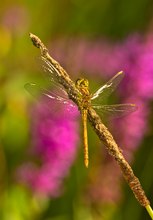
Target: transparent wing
[(104, 91), (51, 75), (117, 110), (49, 98), (50, 69)]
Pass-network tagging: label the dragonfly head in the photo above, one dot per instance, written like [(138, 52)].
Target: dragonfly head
[(82, 83)]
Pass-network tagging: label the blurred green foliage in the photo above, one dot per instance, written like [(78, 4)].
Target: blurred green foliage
[(50, 19)]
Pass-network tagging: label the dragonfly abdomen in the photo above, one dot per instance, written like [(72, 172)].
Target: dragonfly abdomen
[(85, 137)]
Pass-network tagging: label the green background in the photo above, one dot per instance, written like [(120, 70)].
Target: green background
[(110, 19)]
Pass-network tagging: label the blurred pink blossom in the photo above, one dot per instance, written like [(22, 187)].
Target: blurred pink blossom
[(15, 18), (54, 147)]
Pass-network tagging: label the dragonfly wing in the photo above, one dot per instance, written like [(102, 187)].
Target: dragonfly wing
[(51, 73), (48, 67), (117, 110), (104, 91), (49, 98)]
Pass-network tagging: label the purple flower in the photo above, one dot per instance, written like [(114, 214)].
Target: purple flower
[(15, 19), (54, 147)]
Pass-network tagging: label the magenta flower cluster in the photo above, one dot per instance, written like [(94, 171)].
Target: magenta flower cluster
[(53, 150)]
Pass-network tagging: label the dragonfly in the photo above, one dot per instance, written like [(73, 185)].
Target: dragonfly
[(85, 98)]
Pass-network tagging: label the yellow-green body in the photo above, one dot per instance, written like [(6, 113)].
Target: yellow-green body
[(84, 101)]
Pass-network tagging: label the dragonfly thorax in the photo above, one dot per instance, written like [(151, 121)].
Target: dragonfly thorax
[(83, 86), (84, 99)]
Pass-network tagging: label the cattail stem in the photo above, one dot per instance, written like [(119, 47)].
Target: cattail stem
[(100, 129)]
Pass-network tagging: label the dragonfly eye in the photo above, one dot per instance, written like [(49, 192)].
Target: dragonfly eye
[(82, 83)]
